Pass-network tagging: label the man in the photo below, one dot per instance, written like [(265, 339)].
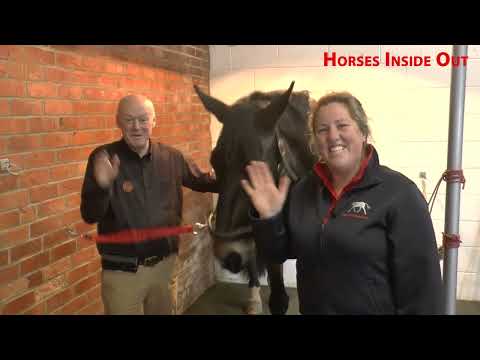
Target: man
[(136, 184)]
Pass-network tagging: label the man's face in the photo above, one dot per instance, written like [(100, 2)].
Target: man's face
[(136, 119)]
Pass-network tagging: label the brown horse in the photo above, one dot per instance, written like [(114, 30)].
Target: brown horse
[(270, 127)]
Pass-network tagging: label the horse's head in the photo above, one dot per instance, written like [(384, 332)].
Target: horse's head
[(248, 133)]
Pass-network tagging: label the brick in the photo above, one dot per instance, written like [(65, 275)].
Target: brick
[(82, 123), (84, 107), (12, 70), (13, 237), (70, 92), (16, 53), (9, 219), (57, 268), (34, 263), (81, 77), (4, 107), (73, 201), (26, 249), (92, 137), (68, 60), (51, 207), (108, 81), (95, 266), (71, 217), (70, 186), (55, 238), (39, 309), (111, 123), (102, 94), (83, 227), (59, 299), (63, 250), (56, 75), (4, 258), (114, 68), (5, 51), (29, 178), (56, 107), (13, 200), (94, 294), (77, 274), (39, 56), (38, 159), (73, 306), (94, 64), (11, 87), (12, 289), (94, 308), (23, 143), (50, 287), (55, 140), (9, 274), (26, 107), (7, 183), (27, 214), (35, 279), (160, 76), (42, 193), (66, 171), (42, 89), (35, 72), (85, 241), (45, 226), (14, 126), (133, 70), (74, 154), (87, 284), (190, 50), (20, 304), (133, 83), (84, 255), (43, 124)]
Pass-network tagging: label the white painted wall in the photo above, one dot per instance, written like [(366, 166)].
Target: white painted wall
[(409, 113)]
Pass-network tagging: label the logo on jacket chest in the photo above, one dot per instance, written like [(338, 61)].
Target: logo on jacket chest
[(358, 209), (127, 186)]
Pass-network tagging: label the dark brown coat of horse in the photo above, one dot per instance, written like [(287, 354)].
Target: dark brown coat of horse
[(270, 127)]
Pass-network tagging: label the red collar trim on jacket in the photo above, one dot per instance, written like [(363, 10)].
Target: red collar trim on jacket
[(324, 174)]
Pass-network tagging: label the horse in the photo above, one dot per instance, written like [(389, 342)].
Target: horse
[(263, 126)]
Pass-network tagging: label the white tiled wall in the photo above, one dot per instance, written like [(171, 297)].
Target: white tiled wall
[(409, 116)]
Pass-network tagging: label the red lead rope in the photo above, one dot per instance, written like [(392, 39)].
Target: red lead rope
[(131, 236)]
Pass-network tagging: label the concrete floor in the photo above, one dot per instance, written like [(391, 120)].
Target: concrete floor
[(228, 299)]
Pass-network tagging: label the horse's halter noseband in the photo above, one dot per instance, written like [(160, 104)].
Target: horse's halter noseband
[(245, 232)]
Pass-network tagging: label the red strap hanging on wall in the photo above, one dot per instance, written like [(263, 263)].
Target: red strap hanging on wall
[(449, 240), (449, 176)]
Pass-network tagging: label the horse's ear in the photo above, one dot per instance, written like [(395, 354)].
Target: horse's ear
[(216, 107), (267, 118)]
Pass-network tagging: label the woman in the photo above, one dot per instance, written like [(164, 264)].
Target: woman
[(361, 232)]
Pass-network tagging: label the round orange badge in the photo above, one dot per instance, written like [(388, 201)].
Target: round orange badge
[(127, 186)]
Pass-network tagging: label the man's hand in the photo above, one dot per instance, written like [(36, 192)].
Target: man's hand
[(198, 173), (105, 170)]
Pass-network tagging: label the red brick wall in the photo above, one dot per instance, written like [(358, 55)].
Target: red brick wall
[(57, 103)]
